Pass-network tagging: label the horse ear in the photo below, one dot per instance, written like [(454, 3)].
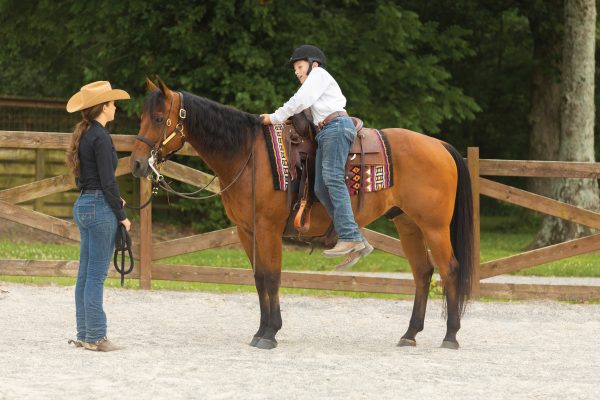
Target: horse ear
[(163, 87), (151, 86)]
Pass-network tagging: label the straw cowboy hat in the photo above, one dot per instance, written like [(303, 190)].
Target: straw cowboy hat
[(93, 94)]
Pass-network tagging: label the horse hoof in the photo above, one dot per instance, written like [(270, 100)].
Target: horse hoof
[(449, 345), (407, 343), (254, 341), (266, 344)]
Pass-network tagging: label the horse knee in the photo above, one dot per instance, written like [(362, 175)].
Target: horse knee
[(272, 282), (426, 273)]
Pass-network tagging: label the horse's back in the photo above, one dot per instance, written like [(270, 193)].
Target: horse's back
[(425, 173)]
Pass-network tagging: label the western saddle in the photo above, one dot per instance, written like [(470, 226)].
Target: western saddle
[(301, 147)]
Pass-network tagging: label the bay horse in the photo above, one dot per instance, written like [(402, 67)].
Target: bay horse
[(431, 197)]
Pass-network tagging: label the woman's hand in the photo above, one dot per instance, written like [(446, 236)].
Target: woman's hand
[(126, 223)]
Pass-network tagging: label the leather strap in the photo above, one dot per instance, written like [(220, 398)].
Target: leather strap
[(302, 220), (330, 117)]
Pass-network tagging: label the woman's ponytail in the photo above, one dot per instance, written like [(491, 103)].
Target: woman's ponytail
[(72, 155)]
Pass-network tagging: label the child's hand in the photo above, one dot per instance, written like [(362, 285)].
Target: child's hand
[(266, 119)]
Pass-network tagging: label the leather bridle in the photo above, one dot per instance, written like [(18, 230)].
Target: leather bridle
[(156, 153), (156, 156), (156, 148)]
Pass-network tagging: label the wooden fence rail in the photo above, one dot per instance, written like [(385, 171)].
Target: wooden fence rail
[(148, 251)]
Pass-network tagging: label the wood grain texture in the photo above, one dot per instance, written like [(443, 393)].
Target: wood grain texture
[(539, 203)]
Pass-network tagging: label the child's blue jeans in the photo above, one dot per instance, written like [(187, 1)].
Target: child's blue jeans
[(334, 141)]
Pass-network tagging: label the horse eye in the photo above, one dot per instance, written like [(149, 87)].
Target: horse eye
[(159, 120)]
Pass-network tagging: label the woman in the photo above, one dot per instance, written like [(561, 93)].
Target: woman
[(92, 160)]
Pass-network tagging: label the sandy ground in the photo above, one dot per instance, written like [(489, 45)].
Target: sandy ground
[(194, 346)]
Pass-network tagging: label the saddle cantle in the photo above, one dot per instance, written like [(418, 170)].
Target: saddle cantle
[(293, 152)]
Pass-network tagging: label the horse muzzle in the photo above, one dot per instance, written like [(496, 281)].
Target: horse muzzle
[(140, 167)]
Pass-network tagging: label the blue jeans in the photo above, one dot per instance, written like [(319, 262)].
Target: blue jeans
[(334, 141), (97, 225)]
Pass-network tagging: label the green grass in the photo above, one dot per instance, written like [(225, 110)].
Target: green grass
[(494, 246), (500, 237), (38, 251), (293, 260)]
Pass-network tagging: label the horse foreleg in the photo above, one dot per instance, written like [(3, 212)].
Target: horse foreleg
[(441, 250), (263, 297), (422, 270), (272, 281), (267, 278)]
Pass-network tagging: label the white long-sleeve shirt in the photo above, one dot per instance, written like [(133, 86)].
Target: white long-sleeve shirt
[(320, 92)]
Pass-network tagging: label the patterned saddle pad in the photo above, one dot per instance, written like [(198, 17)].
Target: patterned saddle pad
[(376, 158)]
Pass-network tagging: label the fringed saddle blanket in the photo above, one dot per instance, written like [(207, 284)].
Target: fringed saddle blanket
[(374, 178), (278, 155)]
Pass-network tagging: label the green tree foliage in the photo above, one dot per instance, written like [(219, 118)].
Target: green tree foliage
[(391, 64), (496, 73), (388, 62), (37, 55)]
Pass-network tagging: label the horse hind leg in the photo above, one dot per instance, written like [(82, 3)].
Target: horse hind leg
[(441, 251), (422, 270)]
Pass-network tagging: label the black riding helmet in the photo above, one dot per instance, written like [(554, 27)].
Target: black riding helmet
[(308, 53)]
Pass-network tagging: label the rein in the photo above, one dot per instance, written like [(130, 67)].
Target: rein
[(169, 189)]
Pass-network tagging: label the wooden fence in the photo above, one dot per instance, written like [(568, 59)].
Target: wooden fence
[(21, 166), (148, 251)]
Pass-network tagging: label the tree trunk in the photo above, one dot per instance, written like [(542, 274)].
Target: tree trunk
[(544, 115), (577, 119)]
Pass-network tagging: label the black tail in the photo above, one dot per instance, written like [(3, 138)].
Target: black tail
[(461, 229)]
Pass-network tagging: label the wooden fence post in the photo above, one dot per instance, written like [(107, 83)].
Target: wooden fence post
[(473, 161), (145, 235), (40, 173)]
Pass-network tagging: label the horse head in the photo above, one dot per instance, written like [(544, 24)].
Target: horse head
[(161, 128)]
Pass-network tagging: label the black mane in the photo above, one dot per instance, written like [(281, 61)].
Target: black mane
[(212, 126)]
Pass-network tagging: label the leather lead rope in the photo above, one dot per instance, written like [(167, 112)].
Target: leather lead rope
[(122, 245), (253, 211), (361, 189), (152, 195)]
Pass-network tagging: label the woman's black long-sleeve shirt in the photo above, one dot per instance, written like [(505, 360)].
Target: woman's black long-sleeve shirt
[(98, 162)]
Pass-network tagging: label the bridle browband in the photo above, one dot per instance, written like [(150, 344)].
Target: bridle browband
[(156, 148)]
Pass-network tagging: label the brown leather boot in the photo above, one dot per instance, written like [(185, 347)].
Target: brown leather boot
[(103, 344), (344, 248)]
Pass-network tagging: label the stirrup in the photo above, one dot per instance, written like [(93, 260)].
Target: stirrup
[(302, 220)]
